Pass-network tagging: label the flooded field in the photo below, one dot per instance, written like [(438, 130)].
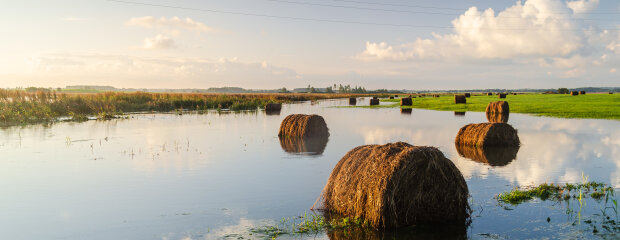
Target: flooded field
[(220, 175)]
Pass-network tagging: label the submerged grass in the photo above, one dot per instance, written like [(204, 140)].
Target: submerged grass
[(598, 106), (309, 224), (20, 107), (559, 192)]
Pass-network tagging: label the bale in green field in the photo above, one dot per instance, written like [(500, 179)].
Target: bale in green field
[(374, 101), (582, 92), (574, 93), (467, 94), (460, 99), (406, 102)]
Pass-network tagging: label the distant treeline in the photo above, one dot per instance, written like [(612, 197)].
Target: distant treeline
[(309, 89)]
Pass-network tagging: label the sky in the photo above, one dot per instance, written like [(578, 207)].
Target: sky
[(267, 44)]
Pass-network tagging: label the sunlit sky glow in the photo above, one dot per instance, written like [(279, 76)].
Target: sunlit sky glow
[(392, 44)]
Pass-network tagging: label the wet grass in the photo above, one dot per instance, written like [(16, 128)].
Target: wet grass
[(308, 224), (20, 107), (559, 192), (597, 106)]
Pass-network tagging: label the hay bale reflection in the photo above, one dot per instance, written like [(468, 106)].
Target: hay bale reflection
[(406, 111), (459, 114), (495, 117), (272, 112), (493, 156), (304, 145)]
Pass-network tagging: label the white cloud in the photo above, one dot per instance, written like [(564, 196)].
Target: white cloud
[(613, 70), (172, 23), (541, 30), (119, 70), (582, 6), (158, 42)]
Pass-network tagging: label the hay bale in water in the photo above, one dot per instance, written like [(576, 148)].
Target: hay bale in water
[(406, 102), (467, 94), (396, 185), (301, 125), (496, 117), (405, 110), (487, 134), (501, 95), (374, 101), (493, 156), (459, 99), (574, 93), (273, 106), (272, 112), (395, 95), (352, 101), (459, 114), (498, 107), (391, 97), (304, 145), (582, 92)]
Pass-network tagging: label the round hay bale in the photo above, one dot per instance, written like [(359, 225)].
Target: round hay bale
[(395, 95), (487, 134), (396, 185), (498, 107), (352, 101), (501, 95), (304, 145), (496, 117), (391, 97), (467, 94), (374, 101), (301, 125), (611, 92), (493, 156), (406, 111), (460, 99), (273, 106), (582, 92), (574, 93), (375, 98), (406, 102), (489, 94)]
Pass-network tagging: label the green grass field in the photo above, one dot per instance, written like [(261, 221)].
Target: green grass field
[(598, 106)]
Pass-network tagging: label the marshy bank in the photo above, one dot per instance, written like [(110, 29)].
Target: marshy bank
[(20, 107)]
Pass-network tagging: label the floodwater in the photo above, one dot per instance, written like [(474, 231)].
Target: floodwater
[(217, 175)]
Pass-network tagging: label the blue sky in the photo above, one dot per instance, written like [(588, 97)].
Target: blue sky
[(437, 45)]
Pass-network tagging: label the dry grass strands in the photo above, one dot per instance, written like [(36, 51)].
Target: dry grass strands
[(501, 95), (496, 117), (493, 156), (374, 101), (301, 125), (498, 107), (304, 145), (406, 102), (396, 185), (574, 93), (487, 134), (460, 99), (352, 101)]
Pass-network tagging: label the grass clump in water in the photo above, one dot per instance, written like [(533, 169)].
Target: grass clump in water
[(310, 224), (545, 191)]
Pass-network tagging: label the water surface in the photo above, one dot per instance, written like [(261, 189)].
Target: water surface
[(216, 175)]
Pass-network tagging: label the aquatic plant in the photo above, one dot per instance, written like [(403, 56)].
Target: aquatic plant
[(558, 192)]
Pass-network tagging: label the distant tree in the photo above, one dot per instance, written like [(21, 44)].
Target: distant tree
[(563, 91), (329, 90), (283, 90)]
